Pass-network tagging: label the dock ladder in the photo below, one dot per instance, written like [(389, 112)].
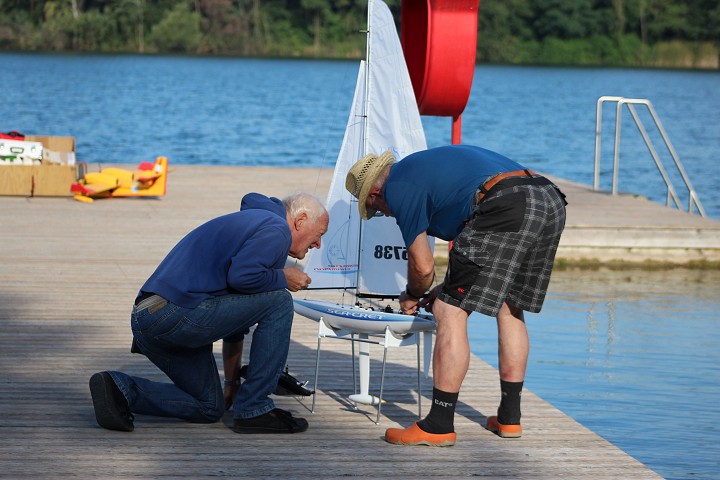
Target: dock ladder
[(672, 197)]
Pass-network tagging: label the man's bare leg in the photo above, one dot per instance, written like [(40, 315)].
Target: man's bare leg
[(513, 343), (513, 350), (451, 355)]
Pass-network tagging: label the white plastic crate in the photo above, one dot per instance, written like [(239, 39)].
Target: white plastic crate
[(18, 152)]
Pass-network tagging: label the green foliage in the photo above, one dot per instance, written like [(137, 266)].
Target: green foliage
[(284, 39), (554, 51), (564, 19), (96, 32), (57, 32), (668, 20), (599, 32), (12, 29), (502, 19), (178, 32), (593, 51), (630, 51), (502, 27), (564, 32)]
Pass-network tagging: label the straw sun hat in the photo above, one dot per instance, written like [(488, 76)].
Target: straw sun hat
[(362, 176)]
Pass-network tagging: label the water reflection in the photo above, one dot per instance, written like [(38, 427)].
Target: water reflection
[(632, 355), (593, 327)]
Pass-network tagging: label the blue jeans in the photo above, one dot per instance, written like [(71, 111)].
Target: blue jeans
[(179, 341)]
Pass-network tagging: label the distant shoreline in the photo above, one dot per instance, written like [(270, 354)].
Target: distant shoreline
[(709, 61)]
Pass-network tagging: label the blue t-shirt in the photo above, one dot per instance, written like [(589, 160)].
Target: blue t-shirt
[(432, 190)]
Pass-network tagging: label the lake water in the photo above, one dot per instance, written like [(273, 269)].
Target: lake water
[(633, 356), (127, 109)]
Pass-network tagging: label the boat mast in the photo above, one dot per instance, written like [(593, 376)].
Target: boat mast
[(366, 100), (365, 128)]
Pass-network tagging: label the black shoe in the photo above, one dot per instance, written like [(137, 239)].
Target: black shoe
[(291, 386), (288, 386), (274, 421), (111, 407)]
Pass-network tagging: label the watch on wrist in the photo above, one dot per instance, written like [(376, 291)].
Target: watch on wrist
[(232, 383), (407, 291)]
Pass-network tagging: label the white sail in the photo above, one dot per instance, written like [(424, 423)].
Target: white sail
[(335, 264), (384, 116)]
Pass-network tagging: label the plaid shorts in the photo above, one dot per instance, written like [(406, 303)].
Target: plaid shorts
[(506, 251)]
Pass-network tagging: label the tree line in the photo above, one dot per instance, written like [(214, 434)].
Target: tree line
[(577, 32)]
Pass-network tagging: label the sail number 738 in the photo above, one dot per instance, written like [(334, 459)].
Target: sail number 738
[(390, 252)]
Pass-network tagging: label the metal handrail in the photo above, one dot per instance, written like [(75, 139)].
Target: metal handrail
[(672, 196)]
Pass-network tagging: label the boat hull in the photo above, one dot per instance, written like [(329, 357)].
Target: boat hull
[(363, 320)]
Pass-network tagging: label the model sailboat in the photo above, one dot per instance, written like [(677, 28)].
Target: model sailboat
[(369, 258)]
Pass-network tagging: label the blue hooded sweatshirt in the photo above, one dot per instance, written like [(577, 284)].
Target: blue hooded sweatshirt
[(242, 252)]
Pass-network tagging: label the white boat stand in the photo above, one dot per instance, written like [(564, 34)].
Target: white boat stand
[(386, 339)]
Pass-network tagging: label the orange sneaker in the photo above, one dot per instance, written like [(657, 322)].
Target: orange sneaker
[(504, 431), (414, 435)]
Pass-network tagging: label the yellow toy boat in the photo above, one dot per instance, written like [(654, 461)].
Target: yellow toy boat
[(148, 180)]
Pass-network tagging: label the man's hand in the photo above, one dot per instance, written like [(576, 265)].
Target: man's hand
[(296, 278), (408, 303), (421, 273), (229, 394)]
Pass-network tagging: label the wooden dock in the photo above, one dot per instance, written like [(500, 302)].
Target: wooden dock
[(632, 229), (68, 274)]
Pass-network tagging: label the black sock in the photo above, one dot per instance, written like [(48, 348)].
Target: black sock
[(509, 410), (442, 413)]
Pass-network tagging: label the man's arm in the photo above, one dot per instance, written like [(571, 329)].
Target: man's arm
[(232, 356), (254, 268), (421, 273)]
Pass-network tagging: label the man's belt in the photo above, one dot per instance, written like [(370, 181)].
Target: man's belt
[(485, 188)]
